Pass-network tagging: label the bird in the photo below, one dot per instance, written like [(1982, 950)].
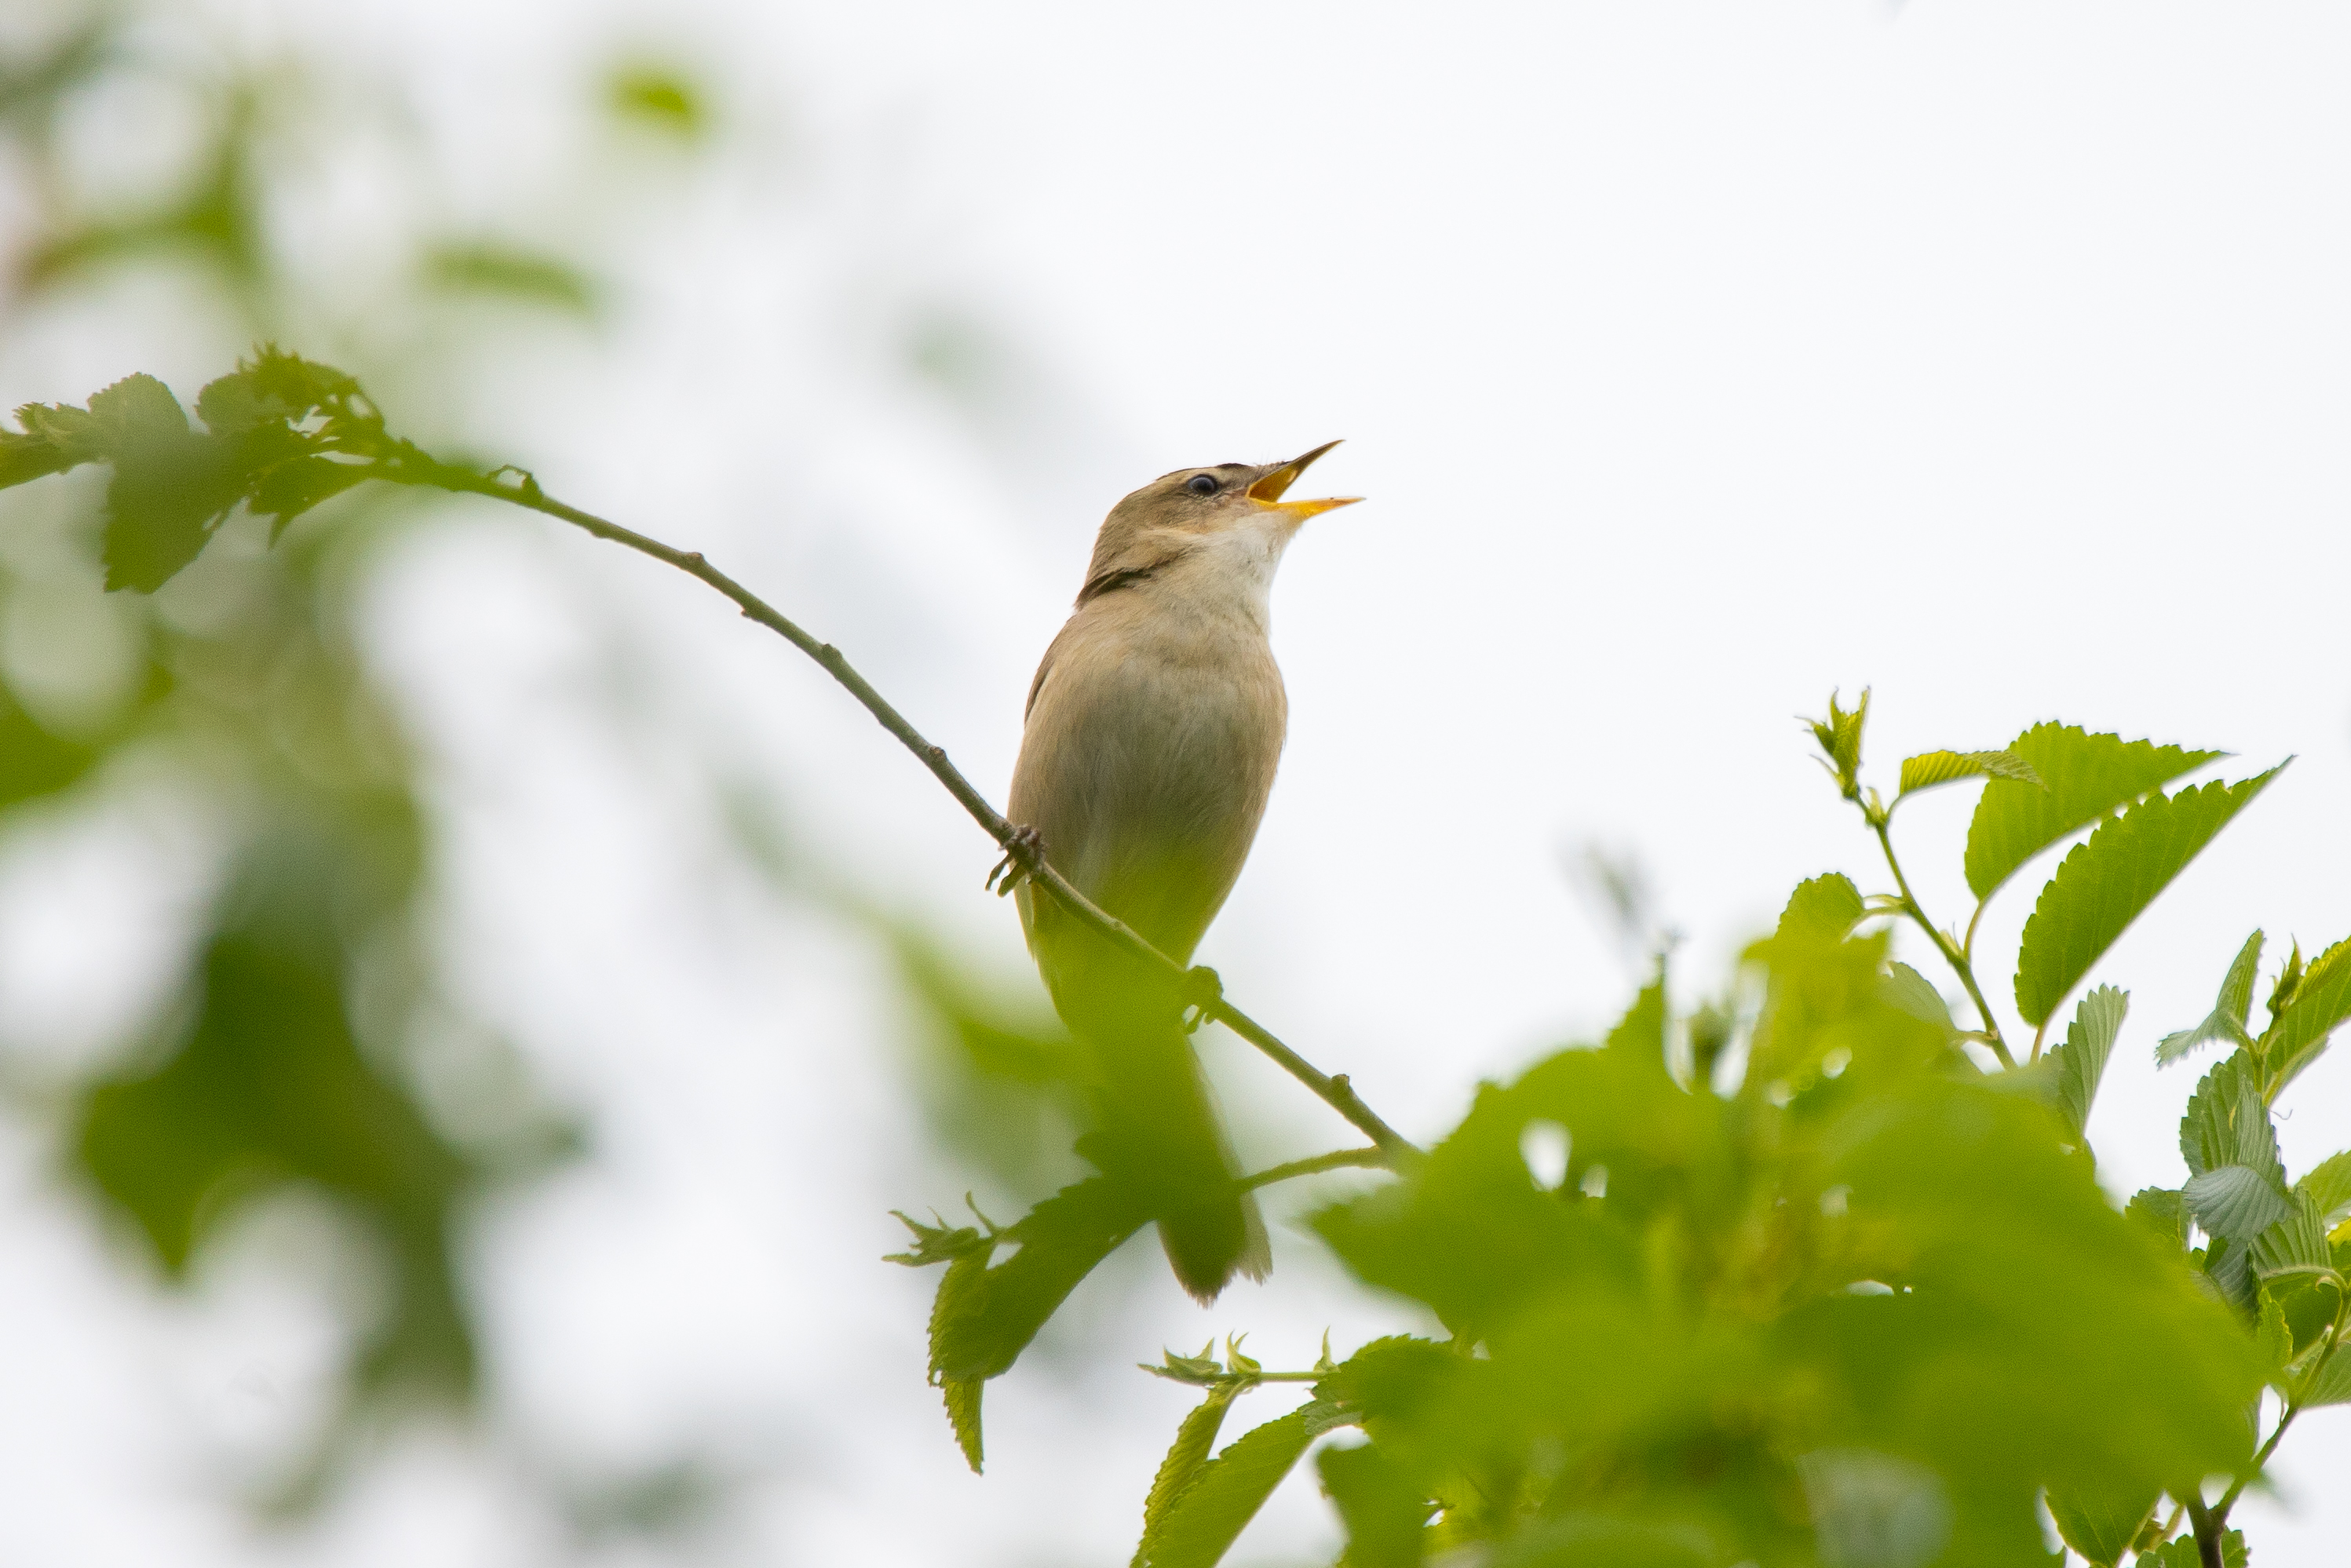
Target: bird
[(1148, 749)]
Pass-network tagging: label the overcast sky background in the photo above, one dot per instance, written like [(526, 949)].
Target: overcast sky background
[(1696, 360)]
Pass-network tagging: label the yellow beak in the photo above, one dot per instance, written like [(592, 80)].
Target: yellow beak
[(1269, 490)]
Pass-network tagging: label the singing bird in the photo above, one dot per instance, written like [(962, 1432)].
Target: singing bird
[(1152, 729)]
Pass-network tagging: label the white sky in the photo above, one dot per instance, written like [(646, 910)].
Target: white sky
[(1695, 359)]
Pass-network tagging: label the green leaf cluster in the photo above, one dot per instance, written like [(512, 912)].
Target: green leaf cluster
[(279, 435), (1813, 1313)]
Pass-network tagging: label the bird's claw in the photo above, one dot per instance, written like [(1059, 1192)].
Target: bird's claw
[(1201, 991), (1013, 868)]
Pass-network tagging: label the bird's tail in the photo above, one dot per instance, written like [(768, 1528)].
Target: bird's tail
[(1156, 1128)]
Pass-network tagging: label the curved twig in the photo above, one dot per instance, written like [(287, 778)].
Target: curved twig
[(405, 463)]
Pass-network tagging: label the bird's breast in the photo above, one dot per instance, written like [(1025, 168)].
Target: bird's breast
[(1148, 755)]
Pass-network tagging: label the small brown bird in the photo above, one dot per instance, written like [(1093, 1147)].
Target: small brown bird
[(1153, 727)]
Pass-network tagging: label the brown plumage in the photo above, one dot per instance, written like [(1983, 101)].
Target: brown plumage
[(1153, 727)]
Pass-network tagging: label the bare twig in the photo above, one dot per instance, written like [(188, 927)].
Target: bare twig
[(405, 463), (1372, 1158)]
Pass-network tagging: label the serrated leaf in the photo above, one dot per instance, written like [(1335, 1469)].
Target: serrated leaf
[(2104, 884), (303, 386), (1194, 1438), (2296, 1244), (2227, 1020), (983, 1321), (2183, 1552), (239, 402), (2234, 1202), (2227, 1124), (1931, 768), (1203, 1521), (2328, 1185), (2320, 1002), (2083, 778), (2080, 1062), (2099, 1524), (963, 1397)]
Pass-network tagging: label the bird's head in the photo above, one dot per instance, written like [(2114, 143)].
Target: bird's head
[(1228, 496), (1231, 517)]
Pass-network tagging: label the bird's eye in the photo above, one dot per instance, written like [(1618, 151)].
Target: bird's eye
[(1202, 484)]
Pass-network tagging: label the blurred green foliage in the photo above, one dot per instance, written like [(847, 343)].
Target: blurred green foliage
[(285, 1055)]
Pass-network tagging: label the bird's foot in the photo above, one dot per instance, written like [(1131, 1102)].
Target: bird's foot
[(1201, 991), (1013, 868)]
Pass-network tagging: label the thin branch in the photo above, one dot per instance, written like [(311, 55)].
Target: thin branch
[(1372, 1158), (409, 464)]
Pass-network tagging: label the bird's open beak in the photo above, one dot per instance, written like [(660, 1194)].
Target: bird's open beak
[(1269, 490)]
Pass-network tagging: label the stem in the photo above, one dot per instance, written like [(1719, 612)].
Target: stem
[(1952, 956), (2208, 1534), (1337, 1159), (2286, 1417), (408, 464)]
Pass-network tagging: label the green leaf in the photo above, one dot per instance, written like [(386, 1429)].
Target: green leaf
[(499, 271), (984, 1317), (30, 455), (1821, 910), (652, 93), (1839, 736), (2100, 1523), (940, 1243), (2183, 1552), (171, 485), (2295, 1244), (2101, 887), (1205, 1519), (2081, 1060), (2228, 1124), (2227, 1020), (962, 1395), (1194, 1438), (2083, 778), (2161, 1211), (2233, 1202), (2332, 1383), (1385, 1515), (1905, 988), (1933, 768), (1201, 1370), (2320, 1001), (292, 488), (2328, 1185)]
